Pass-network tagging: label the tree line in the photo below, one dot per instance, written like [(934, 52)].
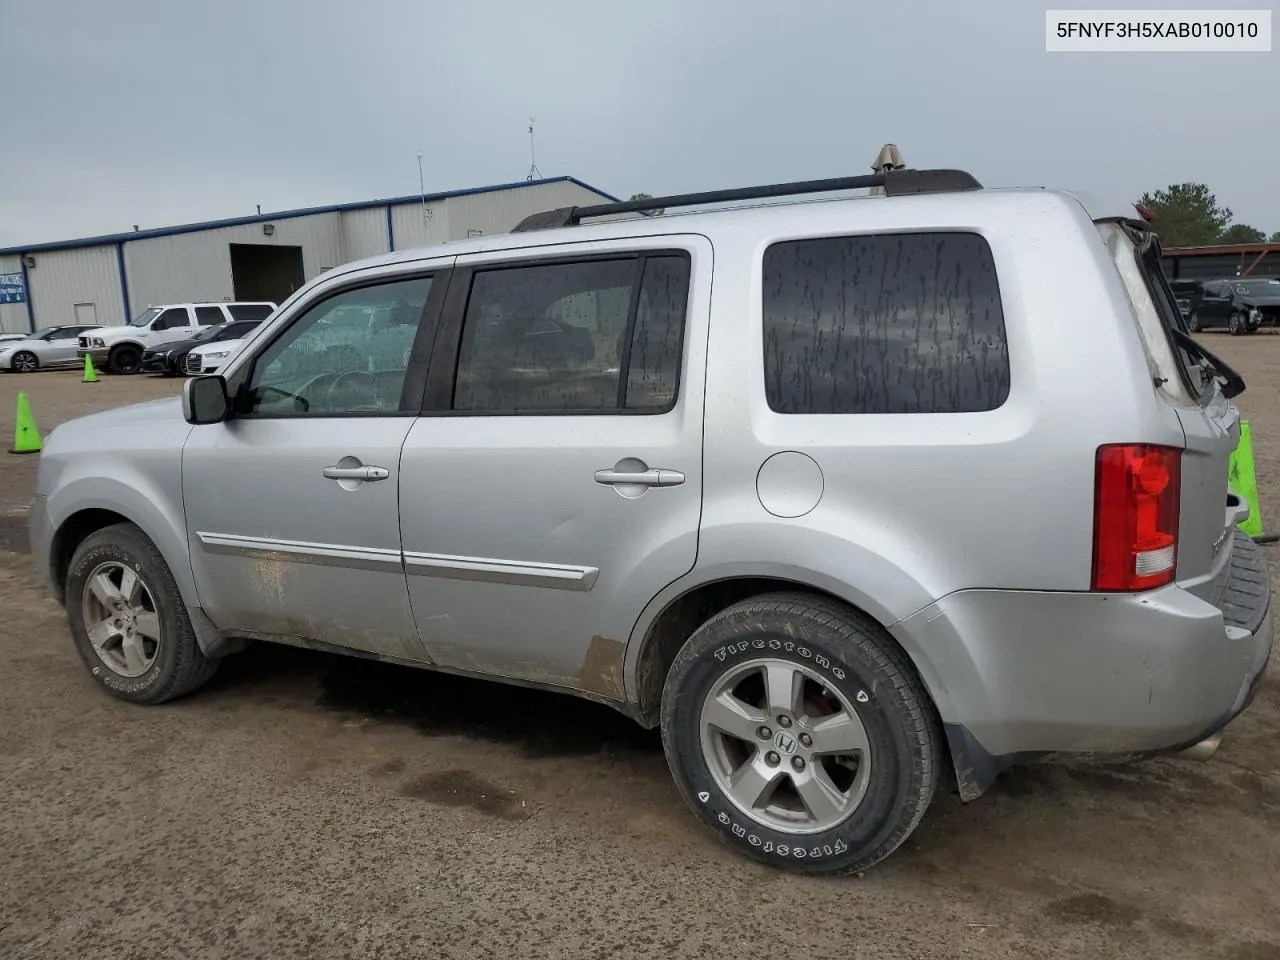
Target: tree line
[(1188, 215)]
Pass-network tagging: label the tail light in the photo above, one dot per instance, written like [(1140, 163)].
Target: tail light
[(1135, 516)]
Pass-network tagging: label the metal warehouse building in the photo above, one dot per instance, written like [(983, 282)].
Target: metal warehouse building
[(1216, 262), (110, 280)]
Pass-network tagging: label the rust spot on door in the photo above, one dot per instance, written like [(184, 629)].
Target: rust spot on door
[(601, 671)]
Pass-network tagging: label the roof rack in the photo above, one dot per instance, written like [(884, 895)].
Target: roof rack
[(894, 182)]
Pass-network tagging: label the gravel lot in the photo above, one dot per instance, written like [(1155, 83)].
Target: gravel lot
[(306, 805)]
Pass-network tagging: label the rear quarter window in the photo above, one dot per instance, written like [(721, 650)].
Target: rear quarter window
[(890, 323)]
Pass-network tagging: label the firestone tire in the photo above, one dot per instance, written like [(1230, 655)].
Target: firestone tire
[(176, 664), (855, 662)]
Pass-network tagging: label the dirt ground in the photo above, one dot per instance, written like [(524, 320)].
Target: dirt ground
[(314, 806)]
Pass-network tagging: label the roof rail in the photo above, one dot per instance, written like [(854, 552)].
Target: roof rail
[(894, 182)]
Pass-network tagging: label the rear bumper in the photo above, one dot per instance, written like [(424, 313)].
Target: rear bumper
[(1018, 673)]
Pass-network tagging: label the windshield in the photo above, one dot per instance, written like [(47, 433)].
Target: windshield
[(44, 334), (1259, 288), (145, 317), (208, 333)]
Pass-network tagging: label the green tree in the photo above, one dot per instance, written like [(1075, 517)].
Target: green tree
[(1187, 215), (1242, 233), (1275, 237), (656, 211)]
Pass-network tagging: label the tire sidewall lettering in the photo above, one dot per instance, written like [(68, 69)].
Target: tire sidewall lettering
[(80, 570), (754, 838)]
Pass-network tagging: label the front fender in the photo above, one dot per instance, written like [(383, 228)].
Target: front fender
[(149, 499)]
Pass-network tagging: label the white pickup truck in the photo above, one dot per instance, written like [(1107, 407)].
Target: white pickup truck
[(120, 349)]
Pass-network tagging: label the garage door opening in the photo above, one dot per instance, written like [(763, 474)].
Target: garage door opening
[(262, 272)]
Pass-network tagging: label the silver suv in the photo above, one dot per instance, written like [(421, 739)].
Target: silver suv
[(842, 494)]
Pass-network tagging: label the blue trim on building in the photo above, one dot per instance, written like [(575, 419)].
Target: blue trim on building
[(124, 282), (288, 215), (26, 289), (391, 232)]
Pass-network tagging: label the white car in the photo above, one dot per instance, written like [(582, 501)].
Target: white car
[(120, 349), (50, 347), (210, 357)]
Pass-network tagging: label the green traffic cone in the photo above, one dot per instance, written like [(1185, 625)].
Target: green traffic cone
[(1243, 481), (26, 438), (90, 375)]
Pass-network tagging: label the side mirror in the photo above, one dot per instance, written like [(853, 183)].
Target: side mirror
[(205, 400)]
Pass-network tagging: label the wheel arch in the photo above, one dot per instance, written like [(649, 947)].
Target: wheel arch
[(100, 503), (669, 619)]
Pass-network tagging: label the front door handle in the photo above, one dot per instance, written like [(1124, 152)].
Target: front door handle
[(642, 478), (356, 473)]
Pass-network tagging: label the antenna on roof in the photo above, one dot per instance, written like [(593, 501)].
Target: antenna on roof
[(422, 191), (534, 172), (259, 206)]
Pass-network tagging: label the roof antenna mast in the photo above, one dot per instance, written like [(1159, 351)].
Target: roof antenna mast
[(422, 192), (534, 172)]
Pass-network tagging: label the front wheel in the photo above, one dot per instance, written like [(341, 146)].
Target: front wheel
[(1193, 323), (125, 359), (799, 732), (24, 361), (1235, 325), (128, 621)]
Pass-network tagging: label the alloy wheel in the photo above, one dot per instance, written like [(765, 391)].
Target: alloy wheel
[(787, 750), (121, 619)]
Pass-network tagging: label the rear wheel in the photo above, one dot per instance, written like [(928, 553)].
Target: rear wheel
[(1193, 323), (799, 732), (24, 361), (125, 359)]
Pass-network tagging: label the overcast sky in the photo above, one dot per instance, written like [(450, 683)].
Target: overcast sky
[(158, 113)]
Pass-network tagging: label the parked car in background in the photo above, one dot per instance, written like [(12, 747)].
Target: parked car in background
[(1260, 296), (10, 337), (209, 357), (50, 347), (120, 349), (170, 358), (1238, 305), (748, 476)]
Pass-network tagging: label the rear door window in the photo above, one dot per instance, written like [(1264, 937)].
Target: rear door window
[(891, 323), (589, 336), (207, 316)]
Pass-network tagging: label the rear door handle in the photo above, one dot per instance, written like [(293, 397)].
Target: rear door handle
[(643, 478), (356, 473)]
